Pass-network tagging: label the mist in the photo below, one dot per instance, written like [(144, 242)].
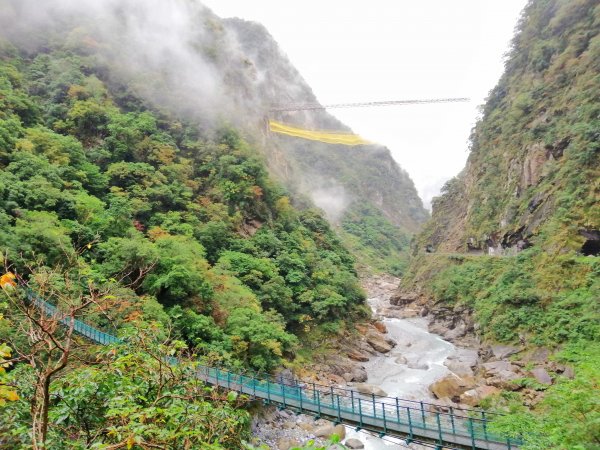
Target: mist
[(184, 61), (333, 200), (174, 54)]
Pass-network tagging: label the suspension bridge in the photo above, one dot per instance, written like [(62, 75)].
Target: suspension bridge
[(337, 137), (412, 421)]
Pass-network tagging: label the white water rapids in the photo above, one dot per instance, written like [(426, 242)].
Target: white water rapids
[(407, 370)]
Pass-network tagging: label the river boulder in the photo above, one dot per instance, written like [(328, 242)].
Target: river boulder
[(357, 355), (473, 397), (451, 386), (369, 389), (379, 342), (354, 444), (541, 376)]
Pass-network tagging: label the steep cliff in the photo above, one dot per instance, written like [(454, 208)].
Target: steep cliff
[(361, 189), (510, 254), (532, 173)]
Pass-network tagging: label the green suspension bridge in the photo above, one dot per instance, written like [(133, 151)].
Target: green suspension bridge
[(412, 421)]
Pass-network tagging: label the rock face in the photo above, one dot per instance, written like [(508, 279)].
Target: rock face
[(507, 192)]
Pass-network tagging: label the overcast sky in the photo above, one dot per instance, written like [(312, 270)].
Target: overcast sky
[(354, 50)]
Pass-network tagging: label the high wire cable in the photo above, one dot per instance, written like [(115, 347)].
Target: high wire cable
[(316, 106)]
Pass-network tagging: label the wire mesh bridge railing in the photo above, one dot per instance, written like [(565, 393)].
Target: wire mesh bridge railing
[(415, 421)]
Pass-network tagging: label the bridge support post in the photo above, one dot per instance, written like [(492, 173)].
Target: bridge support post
[(374, 408), (318, 403), (283, 394), (472, 433), (410, 426), (439, 426), (452, 420), (423, 415), (360, 417), (484, 424), (332, 397)]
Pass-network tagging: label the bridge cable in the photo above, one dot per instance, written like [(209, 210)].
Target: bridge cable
[(317, 106)]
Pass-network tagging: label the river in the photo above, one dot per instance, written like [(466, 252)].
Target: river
[(406, 371)]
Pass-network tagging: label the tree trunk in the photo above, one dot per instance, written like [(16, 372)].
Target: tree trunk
[(39, 412)]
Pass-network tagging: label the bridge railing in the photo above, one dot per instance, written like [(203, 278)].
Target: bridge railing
[(410, 417), (364, 411), (392, 401)]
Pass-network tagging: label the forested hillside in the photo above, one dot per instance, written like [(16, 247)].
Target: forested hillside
[(155, 222), (512, 247), (179, 57)]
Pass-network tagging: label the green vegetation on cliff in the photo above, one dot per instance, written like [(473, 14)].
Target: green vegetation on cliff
[(530, 196), (161, 224)]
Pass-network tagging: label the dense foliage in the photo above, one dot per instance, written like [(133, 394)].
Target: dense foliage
[(374, 239), (157, 405), (182, 226), (192, 223)]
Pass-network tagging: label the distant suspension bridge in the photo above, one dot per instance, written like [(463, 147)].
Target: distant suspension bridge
[(337, 137)]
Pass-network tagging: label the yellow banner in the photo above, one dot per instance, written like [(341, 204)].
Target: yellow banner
[(321, 136)]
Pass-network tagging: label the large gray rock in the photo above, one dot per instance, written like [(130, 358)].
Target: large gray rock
[(541, 376), (538, 355), (493, 368), (450, 387), (459, 368), (340, 430), (369, 389), (504, 379), (504, 351), (357, 355), (287, 444), (378, 342), (358, 374), (473, 397), (354, 444), (324, 431)]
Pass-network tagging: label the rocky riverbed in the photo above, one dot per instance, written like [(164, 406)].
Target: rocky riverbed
[(414, 351)]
